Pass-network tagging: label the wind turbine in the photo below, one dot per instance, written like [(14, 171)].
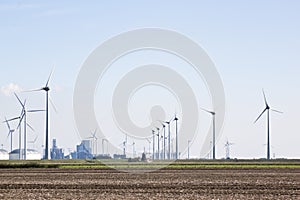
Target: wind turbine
[(214, 131), (169, 138), (20, 131), (158, 157), (10, 132), (267, 109), (24, 117), (227, 146), (176, 126), (104, 140), (94, 139), (124, 145), (149, 141), (133, 149), (153, 151), (46, 88), (164, 127), (189, 142), (164, 139)]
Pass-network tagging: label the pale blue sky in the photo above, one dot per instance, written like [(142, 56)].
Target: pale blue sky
[(254, 45)]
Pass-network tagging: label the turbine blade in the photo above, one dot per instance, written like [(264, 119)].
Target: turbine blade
[(32, 111), (94, 133), (260, 115), (53, 105), (34, 90), (9, 132), (19, 100), (13, 119), (277, 111), (8, 126), (208, 111), (49, 77), (35, 139), (20, 121), (30, 127), (266, 102)]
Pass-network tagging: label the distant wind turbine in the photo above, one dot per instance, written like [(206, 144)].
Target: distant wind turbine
[(104, 140), (24, 117), (267, 109), (176, 129), (94, 140), (169, 138), (158, 157), (189, 142), (10, 131), (164, 139), (214, 130), (133, 149), (227, 147), (153, 143)]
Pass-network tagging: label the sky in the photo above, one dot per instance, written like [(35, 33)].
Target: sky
[(254, 45)]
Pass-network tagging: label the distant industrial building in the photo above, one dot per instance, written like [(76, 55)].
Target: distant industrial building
[(83, 150), (119, 156), (55, 152), (4, 155), (30, 155)]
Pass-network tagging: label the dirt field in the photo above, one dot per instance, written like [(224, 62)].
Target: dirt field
[(162, 184)]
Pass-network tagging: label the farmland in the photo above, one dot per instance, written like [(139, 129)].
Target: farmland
[(181, 180)]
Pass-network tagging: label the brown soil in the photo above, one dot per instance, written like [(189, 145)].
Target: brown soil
[(161, 184)]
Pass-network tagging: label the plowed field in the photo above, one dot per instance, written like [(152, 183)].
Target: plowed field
[(161, 184)]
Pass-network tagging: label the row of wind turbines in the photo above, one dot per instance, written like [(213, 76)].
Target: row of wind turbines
[(156, 132), (164, 124), (23, 119), (164, 137)]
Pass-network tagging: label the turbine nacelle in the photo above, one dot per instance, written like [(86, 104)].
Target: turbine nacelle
[(46, 88), (208, 111)]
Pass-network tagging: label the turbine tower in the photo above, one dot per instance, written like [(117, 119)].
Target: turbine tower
[(164, 151), (189, 142), (158, 157), (104, 140), (214, 131), (176, 128), (164, 139), (267, 109), (153, 150)]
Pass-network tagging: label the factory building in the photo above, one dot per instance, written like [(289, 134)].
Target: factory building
[(31, 154), (55, 152), (83, 151)]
